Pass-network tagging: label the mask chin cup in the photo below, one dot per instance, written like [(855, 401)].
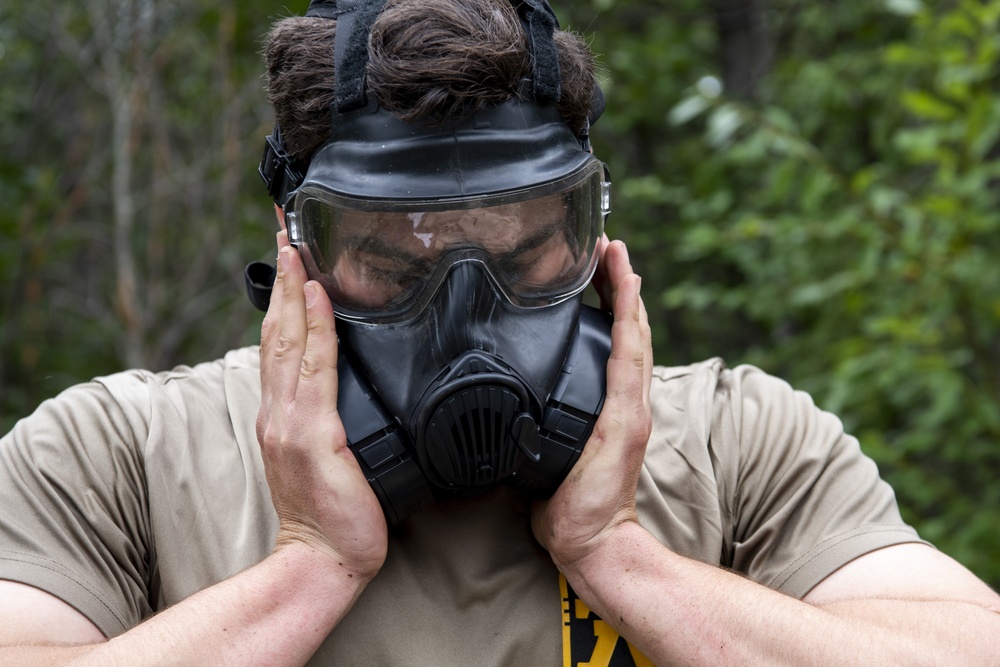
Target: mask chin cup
[(475, 429)]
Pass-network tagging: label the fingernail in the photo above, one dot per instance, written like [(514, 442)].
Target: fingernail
[(282, 261), (310, 290)]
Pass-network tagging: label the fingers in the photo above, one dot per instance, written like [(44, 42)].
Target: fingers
[(298, 346), (626, 366), (647, 344), (613, 266), (290, 343), (317, 390), (631, 363), (600, 279), (271, 327), (599, 492), (318, 490)]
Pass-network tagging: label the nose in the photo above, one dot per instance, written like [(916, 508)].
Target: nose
[(467, 310)]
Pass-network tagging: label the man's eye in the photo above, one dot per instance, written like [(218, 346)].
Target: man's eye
[(515, 267), (526, 261), (402, 277), (534, 270)]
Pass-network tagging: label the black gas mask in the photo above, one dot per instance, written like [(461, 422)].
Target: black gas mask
[(455, 257)]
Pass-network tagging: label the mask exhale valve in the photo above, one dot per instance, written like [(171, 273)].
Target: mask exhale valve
[(476, 430)]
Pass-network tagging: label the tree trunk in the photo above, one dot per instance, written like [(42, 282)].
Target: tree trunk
[(745, 47)]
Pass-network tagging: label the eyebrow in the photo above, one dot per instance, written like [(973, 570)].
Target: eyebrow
[(377, 246), (535, 240)]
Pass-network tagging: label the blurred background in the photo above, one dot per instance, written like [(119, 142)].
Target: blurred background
[(811, 187)]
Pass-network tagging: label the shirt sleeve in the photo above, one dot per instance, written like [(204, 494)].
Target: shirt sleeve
[(73, 511), (804, 499)]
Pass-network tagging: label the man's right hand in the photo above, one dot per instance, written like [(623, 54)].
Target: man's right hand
[(321, 496)]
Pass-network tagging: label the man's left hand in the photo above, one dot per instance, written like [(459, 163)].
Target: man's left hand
[(599, 493)]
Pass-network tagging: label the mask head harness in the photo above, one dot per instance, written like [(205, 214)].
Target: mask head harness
[(455, 256)]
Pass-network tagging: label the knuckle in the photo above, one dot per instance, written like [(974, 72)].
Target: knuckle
[(290, 287), (640, 429), (318, 328), (276, 441), (311, 367), (283, 346), (268, 328), (261, 425), (285, 442), (266, 436)]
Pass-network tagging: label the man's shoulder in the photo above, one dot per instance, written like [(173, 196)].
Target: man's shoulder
[(680, 378), (706, 413), (239, 359), (713, 383), (224, 392), (679, 387), (239, 366)]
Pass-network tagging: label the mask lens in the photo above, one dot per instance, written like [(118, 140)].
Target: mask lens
[(383, 260)]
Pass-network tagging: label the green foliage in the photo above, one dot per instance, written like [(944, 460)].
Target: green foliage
[(131, 133), (840, 229)]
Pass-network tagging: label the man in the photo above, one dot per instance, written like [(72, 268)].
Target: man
[(136, 526)]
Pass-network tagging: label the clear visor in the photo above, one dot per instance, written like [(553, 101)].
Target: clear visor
[(384, 260)]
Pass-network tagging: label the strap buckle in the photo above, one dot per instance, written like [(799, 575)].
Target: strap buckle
[(279, 171)]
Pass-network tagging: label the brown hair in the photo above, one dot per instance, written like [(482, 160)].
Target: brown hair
[(429, 60)]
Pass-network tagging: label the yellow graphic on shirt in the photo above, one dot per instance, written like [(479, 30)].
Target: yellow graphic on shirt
[(588, 641)]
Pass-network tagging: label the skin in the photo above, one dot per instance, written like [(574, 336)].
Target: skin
[(901, 605), (387, 254)]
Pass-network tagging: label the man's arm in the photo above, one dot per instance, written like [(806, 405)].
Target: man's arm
[(906, 604), (275, 613), (929, 610), (32, 616), (331, 541)]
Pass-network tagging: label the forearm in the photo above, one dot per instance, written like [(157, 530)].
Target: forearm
[(275, 613), (679, 611)]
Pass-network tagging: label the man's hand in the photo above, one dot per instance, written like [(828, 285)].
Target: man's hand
[(598, 495), (321, 496)]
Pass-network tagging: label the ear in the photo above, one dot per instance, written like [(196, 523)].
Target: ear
[(280, 213)]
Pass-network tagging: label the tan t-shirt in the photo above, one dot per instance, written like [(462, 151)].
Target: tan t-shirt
[(129, 493)]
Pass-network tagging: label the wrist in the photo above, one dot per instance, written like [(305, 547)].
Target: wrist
[(323, 559), (316, 566), (623, 554)]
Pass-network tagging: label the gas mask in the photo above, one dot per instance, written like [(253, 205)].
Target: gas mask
[(455, 257)]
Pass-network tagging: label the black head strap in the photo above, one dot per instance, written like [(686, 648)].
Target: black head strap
[(354, 22), (281, 174), (326, 9), (540, 23), (350, 57)]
